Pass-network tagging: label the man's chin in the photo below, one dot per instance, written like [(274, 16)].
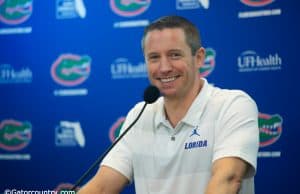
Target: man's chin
[(168, 93)]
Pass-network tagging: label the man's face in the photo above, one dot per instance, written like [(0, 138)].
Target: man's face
[(171, 66)]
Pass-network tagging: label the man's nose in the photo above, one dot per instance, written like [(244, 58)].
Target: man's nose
[(165, 65)]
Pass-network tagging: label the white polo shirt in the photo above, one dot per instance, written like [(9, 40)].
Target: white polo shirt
[(166, 160)]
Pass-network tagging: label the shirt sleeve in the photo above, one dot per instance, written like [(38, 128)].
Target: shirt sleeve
[(237, 132), (120, 157)]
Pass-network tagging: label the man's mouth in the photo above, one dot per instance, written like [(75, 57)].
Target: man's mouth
[(168, 79)]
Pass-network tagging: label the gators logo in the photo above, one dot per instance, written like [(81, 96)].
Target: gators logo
[(209, 63), (257, 3), (15, 11), (70, 69), (115, 129), (14, 135), (129, 8), (270, 128)]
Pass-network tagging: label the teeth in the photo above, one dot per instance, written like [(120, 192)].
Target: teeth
[(168, 79)]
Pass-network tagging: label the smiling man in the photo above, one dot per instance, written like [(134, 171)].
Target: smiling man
[(195, 139)]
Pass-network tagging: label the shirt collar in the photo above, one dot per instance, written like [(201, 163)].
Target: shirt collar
[(197, 108)]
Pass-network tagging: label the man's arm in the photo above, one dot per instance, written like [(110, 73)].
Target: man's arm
[(106, 181), (227, 176)]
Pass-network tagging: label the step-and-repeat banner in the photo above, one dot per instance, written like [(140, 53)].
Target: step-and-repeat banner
[(70, 70)]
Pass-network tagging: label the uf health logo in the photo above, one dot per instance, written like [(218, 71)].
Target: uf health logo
[(14, 135), (115, 129), (129, 8), (15, 11), (209, 63), (123, 68), (70, 69), (9, 75), (257, 3), (194, 141), (270, 128)]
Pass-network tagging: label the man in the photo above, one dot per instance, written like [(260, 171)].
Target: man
[(195, 139)]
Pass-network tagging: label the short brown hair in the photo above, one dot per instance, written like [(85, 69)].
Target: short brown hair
[(191, 32)]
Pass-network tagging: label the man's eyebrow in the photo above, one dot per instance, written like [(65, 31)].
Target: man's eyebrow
[(175, 50), (151, 54)]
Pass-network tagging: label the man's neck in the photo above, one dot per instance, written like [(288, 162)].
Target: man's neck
[(176, 108)]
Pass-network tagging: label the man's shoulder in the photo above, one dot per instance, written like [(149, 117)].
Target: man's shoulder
[(226, 95), (223, 99)]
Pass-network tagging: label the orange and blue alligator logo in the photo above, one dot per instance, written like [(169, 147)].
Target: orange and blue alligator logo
[(209, 63), (15, 11), (129, 8), (14, 135), (115, 129), (257, 3), (270, 128), (70, 69)]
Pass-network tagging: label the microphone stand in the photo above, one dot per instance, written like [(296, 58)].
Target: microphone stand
[(79, 181)]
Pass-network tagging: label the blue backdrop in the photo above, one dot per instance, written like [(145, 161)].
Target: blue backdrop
[(70, 70)]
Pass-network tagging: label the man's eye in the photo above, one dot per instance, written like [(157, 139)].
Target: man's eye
[(153, 57), (175, 55)]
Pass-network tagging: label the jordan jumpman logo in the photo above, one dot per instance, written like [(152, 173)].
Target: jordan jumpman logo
[(195, 132)]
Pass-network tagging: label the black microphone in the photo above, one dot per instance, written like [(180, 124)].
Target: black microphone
[(151, 94)]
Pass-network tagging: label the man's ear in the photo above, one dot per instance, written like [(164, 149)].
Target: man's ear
[(200, 57)]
